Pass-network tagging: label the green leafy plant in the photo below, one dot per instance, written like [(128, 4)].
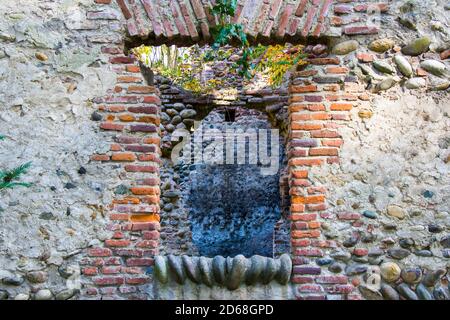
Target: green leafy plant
[(226, 33), (186, 66), (224, 9), (275, 61), (8, 177)]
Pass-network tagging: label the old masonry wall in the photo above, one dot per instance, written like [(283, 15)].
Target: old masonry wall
[(368, 147)]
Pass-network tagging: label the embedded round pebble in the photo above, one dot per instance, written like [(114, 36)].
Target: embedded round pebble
[(411, 275), (390, 271)]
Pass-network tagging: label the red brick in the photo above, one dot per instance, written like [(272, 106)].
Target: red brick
[(135, 168), (307, 270), (128, 252), (300, 243), (348, 216), (361, 30), (146, 110), (309, 252), (128, 79), (89, 271), (332, 279), (117, 243), (303, 89), (341, 106), (324, 61), (301, 279), (306, 162), (304, 217), (121, 60), (126, 12), (99, 252), (147, 244), (123, 157), (143, 128), (133, 69), (343, 9), (311, 199), (305, 234), (325, 134), (306, 126), (300, 174), (100, 157), (141, 89), (136, 280), (150, 235), (111, 270), (372, 7), (111, 126), (336, 70), (323, 152), (108, 281), (136, 262), (310, 288), (365, 57)]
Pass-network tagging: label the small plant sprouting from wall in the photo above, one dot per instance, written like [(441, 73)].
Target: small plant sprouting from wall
[(185, 66), (8, 178)]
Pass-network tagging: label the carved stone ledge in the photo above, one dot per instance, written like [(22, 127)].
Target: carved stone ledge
[(220, 271)]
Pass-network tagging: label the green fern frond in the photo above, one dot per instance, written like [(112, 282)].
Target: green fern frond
[(7, 177)]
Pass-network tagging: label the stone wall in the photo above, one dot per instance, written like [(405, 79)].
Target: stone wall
[(368, 145), (51, 65), (379, 117)]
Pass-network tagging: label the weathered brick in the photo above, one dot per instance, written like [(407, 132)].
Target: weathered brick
[(305, 233), (307, 270), (348, 216), (136, 280), (135, 262), (303, 89), (111, 270), (146, 109), (310, 288), (141, 148), (332, 279), (121, 60), (137, 168), (123, 157), (89, 271), (361, 30), (324, 61), (112, 126), (99, 252), (323, 152), (108, 281), (145, 190), (304, 217), (100, 157), (141, 89), (143, 128), (306, 162), (117, 243), (336, 70)]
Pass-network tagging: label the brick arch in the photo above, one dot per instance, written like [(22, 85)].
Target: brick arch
[(188, 22), (319, 99)]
